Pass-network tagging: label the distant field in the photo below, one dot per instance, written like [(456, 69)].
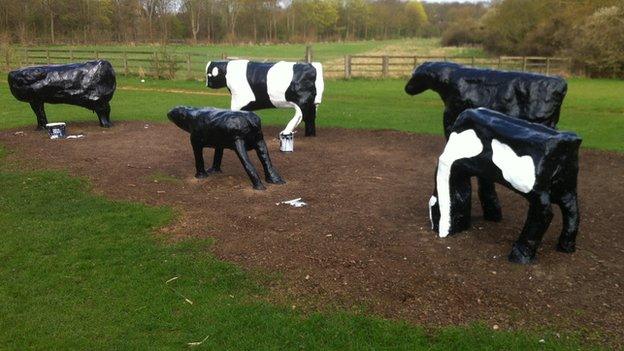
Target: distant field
[(593, 108)]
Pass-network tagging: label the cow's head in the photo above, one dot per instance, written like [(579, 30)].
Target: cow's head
[(215, 74), (181, 117), (430, 75)]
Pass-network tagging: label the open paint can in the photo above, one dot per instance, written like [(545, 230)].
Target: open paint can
[(56, 130), (287, 142)]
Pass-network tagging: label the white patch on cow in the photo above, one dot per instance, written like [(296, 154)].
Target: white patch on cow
[(215, 71), (207, 66), (463, 145), (279, 78), (519, 171), (236, 78), (432, 201), (319, 83)]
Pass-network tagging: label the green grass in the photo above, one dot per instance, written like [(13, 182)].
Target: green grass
[(81, 272), (593, 108)]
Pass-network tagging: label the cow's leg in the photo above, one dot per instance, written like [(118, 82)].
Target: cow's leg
[(570, 214), (448, 119), (309, 118), (216, 161), (489, 201), (103, 113), (198, 151), (241, 151), (270, 172), (38, 109), (294, 122), (461, 193), (538, 219)]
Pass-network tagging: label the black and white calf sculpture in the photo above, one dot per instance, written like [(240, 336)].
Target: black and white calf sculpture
[(535, 161), (224, 129), (258, 85), (533, 97), (90, 85)]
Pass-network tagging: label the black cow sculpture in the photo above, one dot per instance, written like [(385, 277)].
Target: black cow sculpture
[(90, 85), (257, 85), (224, 129), (535, 161), (533, 97)]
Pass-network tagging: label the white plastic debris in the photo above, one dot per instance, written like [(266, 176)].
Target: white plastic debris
[(294, 203), (75, 136)]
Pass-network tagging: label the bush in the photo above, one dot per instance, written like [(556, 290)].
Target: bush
[(599, 44), (462, 33)]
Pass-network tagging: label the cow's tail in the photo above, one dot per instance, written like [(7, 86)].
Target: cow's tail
[(319, 83)]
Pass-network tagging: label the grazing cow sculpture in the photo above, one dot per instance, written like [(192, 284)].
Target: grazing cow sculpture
[(535, 161), (90, 85), (224, 129), (258, 85), (533, 97)]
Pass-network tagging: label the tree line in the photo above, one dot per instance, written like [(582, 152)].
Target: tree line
[(589, 31), (207, 21)]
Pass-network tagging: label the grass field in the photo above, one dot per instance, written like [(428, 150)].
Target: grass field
[(83, 272), (593, 108)]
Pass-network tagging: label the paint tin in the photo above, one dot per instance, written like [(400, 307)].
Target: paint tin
[(287, 142), (56, 130)]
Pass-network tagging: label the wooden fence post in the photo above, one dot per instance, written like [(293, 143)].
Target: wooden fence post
[(97, 54), (27, 57), (188, 66), (415, 61), (48, 56), (71, 55), (548, 66), (384, 65), (157, 65), (125, 62), (308, 54), (500, 62), (524, 63), (347, 68), (472, 61)]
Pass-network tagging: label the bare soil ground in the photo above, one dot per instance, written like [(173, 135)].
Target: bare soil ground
[(364, 239)]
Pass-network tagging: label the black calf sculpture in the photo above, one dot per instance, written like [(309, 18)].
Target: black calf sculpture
[(528, 96), (90, 85), (535, 161), (225, 129)]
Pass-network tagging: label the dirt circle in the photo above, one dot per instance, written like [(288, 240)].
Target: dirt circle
[(364, 239)]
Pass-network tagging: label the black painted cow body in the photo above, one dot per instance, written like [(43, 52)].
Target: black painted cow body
[(261, 85), (224, 129), (90, 85), (535, 161), (532, 97)]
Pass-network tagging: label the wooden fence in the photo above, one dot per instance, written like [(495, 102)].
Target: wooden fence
[(400, 66), (170, 64)]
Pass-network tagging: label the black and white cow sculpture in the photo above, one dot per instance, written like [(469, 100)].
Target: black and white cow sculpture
[(533, 97), (535, 161), (224, 129), (258, 85), (90, 85)]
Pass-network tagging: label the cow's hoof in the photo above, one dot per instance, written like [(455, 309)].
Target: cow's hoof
[(201, 175), (567, 247), (106, 125), (276, 180), (493, 214), (259, 187), (521, 254), (212, 171)]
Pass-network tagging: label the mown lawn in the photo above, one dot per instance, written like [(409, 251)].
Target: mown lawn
[(593, 108), (82, 272)]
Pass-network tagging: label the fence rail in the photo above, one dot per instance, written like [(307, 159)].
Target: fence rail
[(185, 65)]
